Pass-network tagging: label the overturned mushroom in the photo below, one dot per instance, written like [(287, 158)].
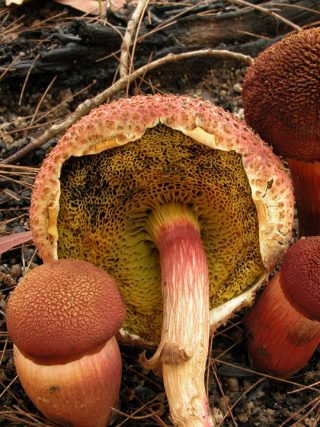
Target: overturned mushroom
[(62, 318), (281, 102), (169, 195)]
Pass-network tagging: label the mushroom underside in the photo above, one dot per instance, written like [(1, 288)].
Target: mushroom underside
[(107, 200)]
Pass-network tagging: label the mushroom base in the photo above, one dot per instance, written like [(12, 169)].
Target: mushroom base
[(280, 339), (183, 349)]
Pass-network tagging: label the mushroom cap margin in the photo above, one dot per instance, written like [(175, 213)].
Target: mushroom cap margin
[(126, 120)]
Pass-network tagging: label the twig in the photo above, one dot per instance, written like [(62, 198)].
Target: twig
[(315, 402), (272, 377), (41, 99), (305, 387), (229, 409), (8, 386), (296, 6), (235, 403), (127, 38), (27, 78), (10, 66), (3, 351), (85, 107), (133, 415), (134, 44), (268, 12)]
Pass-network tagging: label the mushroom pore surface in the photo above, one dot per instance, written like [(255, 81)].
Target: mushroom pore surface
[(107, 199), (281, 95)]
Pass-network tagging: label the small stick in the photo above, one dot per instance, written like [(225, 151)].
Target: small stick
[(27, 78), (85, 107), (41, 100), (127, 38), (268, 12)]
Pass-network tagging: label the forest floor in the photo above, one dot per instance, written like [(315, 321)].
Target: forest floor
[(33, 99)]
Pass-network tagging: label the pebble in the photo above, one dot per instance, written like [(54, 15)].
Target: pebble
[(224, 404), (3, 229), (144, 393), (237, 87), (242, 418), (7, 279), (16, 271), (233, 384)]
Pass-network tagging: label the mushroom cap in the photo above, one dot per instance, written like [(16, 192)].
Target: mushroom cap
[(281, 95), (63, 309), (300, 276), (155, 150)]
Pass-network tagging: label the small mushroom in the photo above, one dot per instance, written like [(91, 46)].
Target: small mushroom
[(62, 318), (284, 323), (281, 102), (187, 210)]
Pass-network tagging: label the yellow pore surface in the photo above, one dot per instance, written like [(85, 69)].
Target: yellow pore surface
[(107, 199)]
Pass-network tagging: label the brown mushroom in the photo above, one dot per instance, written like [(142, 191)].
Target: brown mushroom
[(62, 318), (281, 102), (284, 324), (174, 196)]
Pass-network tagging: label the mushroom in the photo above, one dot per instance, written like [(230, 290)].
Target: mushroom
[(184, 207), (281, 102), (62, 318), (284, 323)]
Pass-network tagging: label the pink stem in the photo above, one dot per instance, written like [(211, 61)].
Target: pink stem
[(183, 348), (281, 339), (306, 182)]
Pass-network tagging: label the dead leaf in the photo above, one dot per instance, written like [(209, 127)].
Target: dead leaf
[(92, 6), (12, 240), (86, 6), (18, 2)]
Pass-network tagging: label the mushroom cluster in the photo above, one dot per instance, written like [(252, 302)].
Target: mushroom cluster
[(281, 102), (185, 207), (284, 324), (62, 318)]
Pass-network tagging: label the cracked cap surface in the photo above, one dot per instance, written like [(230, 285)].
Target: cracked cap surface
[(64, 309), (281, 95)]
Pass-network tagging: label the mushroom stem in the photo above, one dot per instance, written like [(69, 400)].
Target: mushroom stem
[(284, 324), (280, 339), (183, 349), (62, 318), (80, 392), (306, 181)]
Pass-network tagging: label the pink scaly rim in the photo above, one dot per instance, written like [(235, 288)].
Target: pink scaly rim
[(126, 120)]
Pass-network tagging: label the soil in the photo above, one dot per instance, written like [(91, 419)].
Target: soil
[(32, 101)]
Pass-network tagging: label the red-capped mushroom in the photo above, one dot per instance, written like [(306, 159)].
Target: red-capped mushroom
[(281, 102), (174, 196), (62, 318), (284, 323)]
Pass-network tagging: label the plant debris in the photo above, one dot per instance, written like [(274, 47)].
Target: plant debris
[(39, 88)]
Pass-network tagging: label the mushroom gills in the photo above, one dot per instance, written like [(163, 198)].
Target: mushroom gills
[(107, 200)]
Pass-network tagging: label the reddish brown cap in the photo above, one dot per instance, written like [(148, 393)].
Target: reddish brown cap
[(300, 276), (63, 309), (281, 95)]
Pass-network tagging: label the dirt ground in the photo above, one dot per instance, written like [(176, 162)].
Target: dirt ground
[(31, 101)]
